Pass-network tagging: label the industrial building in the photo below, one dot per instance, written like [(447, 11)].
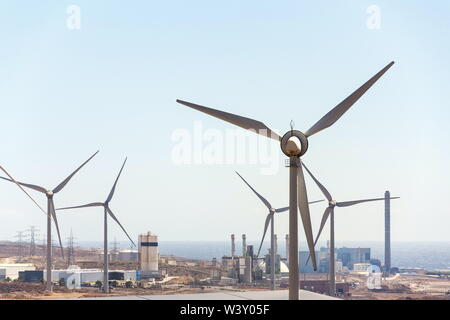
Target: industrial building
[(361, 267), (268, 263), (31, 276), (350, 256), (323, 286), (303, 266), (128, 255), (12, 270), (74, 277)]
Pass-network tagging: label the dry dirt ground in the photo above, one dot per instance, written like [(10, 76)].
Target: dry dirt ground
[(34, 291), (403, 287)]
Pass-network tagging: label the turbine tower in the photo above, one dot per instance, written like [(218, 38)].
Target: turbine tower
[(294, 145), (269, 219), (387, 232), (51, 214), (329, 212), (107, 211), (287, 249)]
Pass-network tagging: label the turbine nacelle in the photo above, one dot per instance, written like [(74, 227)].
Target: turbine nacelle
[(294, 143)]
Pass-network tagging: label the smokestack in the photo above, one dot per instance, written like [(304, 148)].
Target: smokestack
[(244, 246), (233, 246), (387, 232), (276, 244), (287, 248)]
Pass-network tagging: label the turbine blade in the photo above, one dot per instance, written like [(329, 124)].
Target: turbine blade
[(116, 220), (239, 121), (268, 205), (27, 185), (115, 183), (331, 117), (321, 187), (266, 225), (63, 184), (55, 220), (287, 208), (304, 213), (325, 216), (351, 203), (94, 204), (20, 186)]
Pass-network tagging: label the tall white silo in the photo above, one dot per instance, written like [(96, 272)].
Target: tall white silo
[(148, 252)]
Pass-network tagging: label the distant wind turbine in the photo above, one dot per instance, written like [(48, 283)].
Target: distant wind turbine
[(107, 211), (329, 212), (51, 214), (269, 219), (294, 144)]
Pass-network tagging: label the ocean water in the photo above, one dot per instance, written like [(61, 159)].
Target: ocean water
[(428, 255)]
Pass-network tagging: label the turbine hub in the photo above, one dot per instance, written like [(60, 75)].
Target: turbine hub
[(332, 203), (50, 193), (294, 143)]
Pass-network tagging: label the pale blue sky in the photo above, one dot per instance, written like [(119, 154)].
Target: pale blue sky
[(112, 86)]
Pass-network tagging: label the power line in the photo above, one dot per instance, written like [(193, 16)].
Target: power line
[(32, 235), (19, 245), (70, 250)]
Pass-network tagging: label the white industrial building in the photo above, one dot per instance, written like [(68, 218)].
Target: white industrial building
[(11, 270), (74, 276), (361, 267), (128, 255)]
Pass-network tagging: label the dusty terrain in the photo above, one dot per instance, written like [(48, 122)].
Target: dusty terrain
[(402, 287)]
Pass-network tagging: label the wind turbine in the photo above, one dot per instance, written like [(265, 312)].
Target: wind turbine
[(329, 212), (294, 144), (107, 211), (269, 219), (51, 214)]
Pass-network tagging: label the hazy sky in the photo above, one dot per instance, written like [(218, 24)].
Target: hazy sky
[(112, 84)]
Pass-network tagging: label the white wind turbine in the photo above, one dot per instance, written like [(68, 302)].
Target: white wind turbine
[(294, 144), (107, 211), (51, 214), (329, 212), (269, 219)]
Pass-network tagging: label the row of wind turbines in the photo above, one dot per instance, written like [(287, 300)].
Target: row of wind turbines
[(51, 215), (294, 144), (329, 213)]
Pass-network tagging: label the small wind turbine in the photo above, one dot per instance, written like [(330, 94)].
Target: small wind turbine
[(107, 211), (269, 219), (294, 144), (329, 212), (51, 214)]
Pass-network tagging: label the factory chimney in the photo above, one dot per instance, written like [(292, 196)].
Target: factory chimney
[(233, 246), (287, 249), (387, 232), (244, 246)]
